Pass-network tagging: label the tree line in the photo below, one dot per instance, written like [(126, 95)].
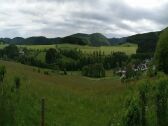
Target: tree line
[(70, 59)]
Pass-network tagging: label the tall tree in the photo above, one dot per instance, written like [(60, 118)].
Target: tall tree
[(52, 55), (11, 51), (161, 55)]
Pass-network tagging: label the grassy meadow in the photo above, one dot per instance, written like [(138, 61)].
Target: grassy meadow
[(127, 48), (71, 100)]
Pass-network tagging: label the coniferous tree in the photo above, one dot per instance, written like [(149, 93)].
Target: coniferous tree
[(52, 55), (161, 55)]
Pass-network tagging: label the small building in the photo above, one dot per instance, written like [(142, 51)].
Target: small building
[(21, 52)]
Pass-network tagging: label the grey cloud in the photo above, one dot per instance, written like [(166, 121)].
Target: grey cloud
[(54, 18)]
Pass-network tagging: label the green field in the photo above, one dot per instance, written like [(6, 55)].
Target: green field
[(127, 48), (71, 100)]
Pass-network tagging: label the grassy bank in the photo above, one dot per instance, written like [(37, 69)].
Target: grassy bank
[(71, 100)]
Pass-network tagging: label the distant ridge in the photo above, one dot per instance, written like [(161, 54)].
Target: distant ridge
[(114, 41), (39, 40), (95, 39), (146, 41)]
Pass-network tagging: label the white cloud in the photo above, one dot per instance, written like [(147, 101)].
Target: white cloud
[(146, 4), (142, 25), (54, 18)]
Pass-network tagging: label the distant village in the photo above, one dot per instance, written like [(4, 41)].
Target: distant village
[(136, 68)]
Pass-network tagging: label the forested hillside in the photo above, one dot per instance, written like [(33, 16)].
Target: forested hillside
[(161, 54), (39, 40), (146, 42), (95, 39)]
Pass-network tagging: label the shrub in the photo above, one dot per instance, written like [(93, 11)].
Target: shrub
[(132, 114), (46, 72), (130, 73), (65, 72), (151, 101), (52, 55), (39, 70), (143, 93), (161, 102), (11, 51), (17, 82), (151, 71), (2, 73), (94, 70)]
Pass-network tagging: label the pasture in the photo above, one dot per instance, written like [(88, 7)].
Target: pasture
[(71, 100), (127, 48)]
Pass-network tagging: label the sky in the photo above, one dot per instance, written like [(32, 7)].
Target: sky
[(58, 18)]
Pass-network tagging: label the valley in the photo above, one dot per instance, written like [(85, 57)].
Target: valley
[(83, 63)]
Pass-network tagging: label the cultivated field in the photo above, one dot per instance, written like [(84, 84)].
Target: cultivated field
[(127, 48), (71, 100)]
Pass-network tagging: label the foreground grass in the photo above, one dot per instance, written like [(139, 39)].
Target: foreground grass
[(71, 100)]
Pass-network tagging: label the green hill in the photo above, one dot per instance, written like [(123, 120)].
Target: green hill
[(146, 42), (98, 39), (38, 40), (95, 39), (80, 39)]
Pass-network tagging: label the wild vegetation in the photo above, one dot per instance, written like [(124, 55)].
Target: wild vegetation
[(69, 59), (70, 100), (161, 54), (146, 42), (128, 48)]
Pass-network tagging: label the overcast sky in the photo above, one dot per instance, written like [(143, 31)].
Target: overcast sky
[(53, 18)]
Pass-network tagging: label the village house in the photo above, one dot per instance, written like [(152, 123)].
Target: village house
[(140, 67), (21, 52)]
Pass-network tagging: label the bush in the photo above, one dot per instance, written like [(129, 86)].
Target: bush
[(132, 114), (94, 70), (11, 51), (143, 94), (151, 71), (2, 73), (149, 106), (65, 72), (46, 72), (38, 70), (161, 102), (51, 56), (17, 82)]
